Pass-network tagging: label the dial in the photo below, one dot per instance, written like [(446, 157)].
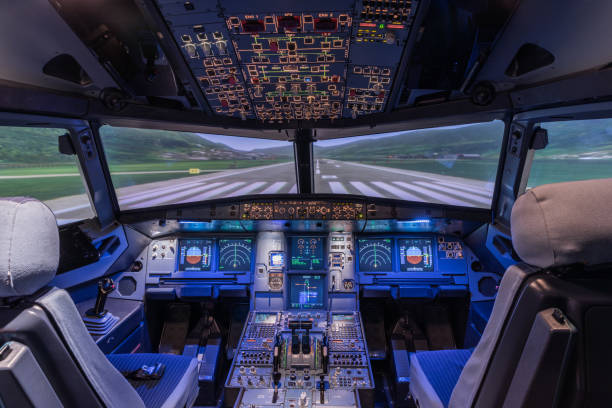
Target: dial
[(375, 255), (235, 254)]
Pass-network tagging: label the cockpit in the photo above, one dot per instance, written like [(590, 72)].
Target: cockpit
[(323, 204)]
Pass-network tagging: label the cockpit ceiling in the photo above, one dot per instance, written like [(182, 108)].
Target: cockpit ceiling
[(286, 62), (270, 62)]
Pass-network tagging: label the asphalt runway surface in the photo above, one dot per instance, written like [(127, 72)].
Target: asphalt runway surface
[(331, 176)]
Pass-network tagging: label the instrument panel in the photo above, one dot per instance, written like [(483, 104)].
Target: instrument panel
[(292, 60), (339, 262)]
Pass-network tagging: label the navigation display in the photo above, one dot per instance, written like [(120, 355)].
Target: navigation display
[(416, 255), (235, 254), (375, 254), (194, 255), (307, 253), (306, 291)]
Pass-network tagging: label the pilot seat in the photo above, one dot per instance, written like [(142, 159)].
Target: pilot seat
[(50, 357), (547, 340)]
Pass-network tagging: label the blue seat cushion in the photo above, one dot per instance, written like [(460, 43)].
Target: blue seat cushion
[(441, 369), (178, 386)]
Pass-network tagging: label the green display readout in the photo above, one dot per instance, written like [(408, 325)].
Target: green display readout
[(307, 253)]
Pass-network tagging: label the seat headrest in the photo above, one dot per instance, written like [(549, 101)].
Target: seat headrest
[(564, 223), (29, 246)]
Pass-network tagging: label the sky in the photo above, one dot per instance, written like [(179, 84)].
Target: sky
[(249, 143), (244, 143)]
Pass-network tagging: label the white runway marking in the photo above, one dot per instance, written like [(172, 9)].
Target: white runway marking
[(455, 192), (293, 189), (216, 191), (273, 188), (441, 197), (328, 177), (337, 187), (365, 189), (397, 191), (249, 188), (142, 195), (470, 189), (186, 191)]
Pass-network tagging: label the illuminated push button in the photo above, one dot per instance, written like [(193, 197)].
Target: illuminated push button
[(191, 51)]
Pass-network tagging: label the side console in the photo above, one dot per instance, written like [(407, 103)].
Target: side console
[(295, 359)]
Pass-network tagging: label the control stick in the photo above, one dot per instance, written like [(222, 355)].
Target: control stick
[(105, 286)]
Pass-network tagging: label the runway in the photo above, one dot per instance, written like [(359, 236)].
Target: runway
[(330, 176)]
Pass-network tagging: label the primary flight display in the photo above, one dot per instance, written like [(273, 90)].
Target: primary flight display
[(416, 254), (195, 255)]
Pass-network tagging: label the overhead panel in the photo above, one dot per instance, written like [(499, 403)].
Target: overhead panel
[(281, 61)]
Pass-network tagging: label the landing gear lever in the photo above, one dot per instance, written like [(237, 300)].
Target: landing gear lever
[(105, 286)]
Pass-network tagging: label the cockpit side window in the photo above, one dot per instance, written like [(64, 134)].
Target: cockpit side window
[(31, 165), (576, 150)]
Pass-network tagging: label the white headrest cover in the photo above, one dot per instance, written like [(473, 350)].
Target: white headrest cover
[(29, 246), (564, 223)]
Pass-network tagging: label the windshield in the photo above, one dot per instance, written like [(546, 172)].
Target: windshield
[(584, 146), (31, 165), (454, 165), (152, 168)]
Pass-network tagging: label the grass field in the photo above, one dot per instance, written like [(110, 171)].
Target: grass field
[(47, 188)]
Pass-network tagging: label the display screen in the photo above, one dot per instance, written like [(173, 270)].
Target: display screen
[(307, 253), (375, 254), (306, 291), (277, 259), (235, 254), (194, 255), (416, 254), (265, 318)]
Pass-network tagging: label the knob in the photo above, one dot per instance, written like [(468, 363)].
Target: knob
[(389, 37)]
